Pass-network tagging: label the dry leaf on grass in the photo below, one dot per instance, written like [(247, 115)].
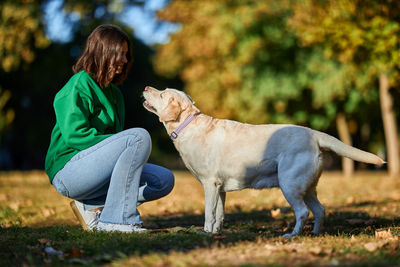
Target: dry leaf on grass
[(350, 200), (275, 213), (48, 212), (316, 251), (385, 234), (43, 240), (372, 246), (75, 253), (353, 238), (176, 229), (14, 206)]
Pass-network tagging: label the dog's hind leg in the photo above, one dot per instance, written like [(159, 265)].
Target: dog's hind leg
[(297, 175), (317, 209), (211, 195), (220, 212), (295, 199)]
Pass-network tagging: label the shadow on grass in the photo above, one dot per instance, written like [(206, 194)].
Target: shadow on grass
[(27, 245)]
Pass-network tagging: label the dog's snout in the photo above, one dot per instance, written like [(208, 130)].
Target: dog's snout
[(148, 88)]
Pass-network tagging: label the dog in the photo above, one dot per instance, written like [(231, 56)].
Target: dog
[(226, 155)]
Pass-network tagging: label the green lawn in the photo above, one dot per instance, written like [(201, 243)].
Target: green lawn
[(362, 227)]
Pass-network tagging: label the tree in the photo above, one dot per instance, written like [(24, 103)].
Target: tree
[(6, 114), (236, 58), (240, 60), (365, 35), (21, 33)]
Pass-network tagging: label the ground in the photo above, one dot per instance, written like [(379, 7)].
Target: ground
[(362, 227)]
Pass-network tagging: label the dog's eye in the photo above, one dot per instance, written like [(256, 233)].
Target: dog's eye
[(161, 95)]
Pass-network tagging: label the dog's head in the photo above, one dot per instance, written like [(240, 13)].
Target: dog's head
[(167, 104)]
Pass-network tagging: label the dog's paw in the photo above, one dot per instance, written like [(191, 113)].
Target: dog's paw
[(208, 229)]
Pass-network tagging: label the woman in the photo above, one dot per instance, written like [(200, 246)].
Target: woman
[(90, 158)]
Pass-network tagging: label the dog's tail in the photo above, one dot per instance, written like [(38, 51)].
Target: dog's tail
[(326, 141)]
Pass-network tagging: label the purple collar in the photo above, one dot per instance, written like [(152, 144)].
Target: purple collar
[(175, 133)]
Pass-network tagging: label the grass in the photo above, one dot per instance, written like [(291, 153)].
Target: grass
[(362, 227)]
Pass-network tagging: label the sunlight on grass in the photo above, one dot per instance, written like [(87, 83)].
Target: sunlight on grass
[(356, 209)]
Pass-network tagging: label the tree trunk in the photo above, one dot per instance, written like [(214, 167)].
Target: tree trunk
[(390, 127), (344, 135)]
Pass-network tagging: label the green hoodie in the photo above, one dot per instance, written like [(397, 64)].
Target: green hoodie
[(85, 115)]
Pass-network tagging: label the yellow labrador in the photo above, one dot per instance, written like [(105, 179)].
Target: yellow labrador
[(226, 155)]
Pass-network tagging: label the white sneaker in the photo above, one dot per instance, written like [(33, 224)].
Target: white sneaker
[(87, 218), (127, 228)]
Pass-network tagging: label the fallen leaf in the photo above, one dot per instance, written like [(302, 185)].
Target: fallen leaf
[(385, 234), (176, 229), (48, 212), (197, 212), (14, 206), (43, 240), (350, 200), (316, 251), (275, 213), (371, 246), (75, 253)]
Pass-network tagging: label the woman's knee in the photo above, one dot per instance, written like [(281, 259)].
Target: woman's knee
[(138, 134), (169, 181), (159, 185)]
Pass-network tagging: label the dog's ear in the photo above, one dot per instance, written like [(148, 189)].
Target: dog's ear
[(171, 111)]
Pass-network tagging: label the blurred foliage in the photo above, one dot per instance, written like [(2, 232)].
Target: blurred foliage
[(240, 60), (234, 57), (6, 115), (21, 32), (364, 33)]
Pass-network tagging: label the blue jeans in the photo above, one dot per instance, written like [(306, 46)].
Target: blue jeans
[(109, 174)]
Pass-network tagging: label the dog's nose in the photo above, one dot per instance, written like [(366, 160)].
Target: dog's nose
[(147, 88)]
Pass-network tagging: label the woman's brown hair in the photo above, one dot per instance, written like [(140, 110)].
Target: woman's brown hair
[(103, 47)]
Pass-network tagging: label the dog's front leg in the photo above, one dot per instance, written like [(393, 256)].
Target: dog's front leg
[(220, 212), (211, 195)]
